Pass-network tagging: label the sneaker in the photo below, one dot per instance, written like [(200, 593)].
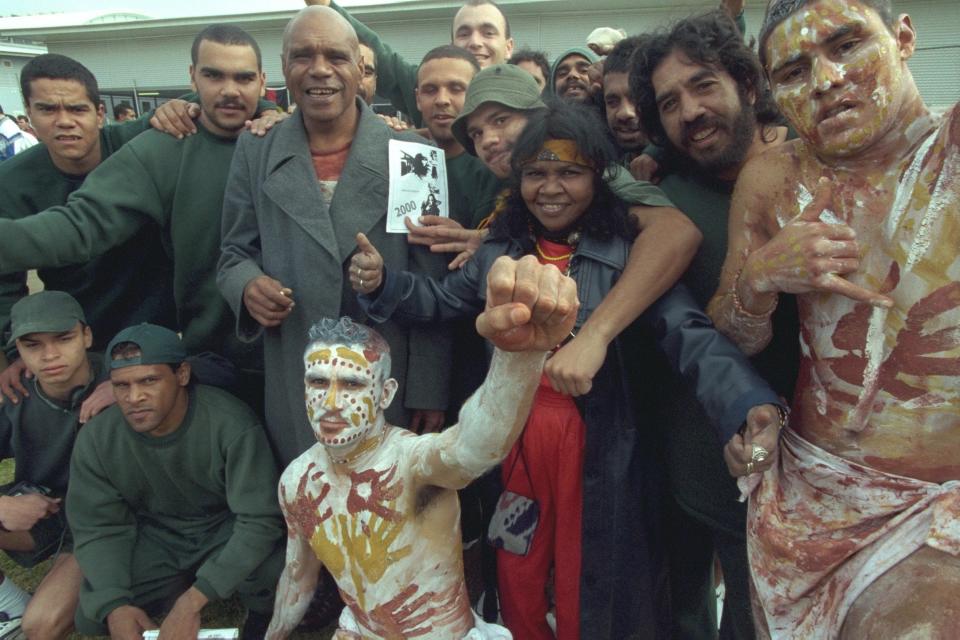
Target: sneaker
[(10, 627)]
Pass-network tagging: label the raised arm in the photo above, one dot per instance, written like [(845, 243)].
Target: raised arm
[(396, 78), (530, 309)]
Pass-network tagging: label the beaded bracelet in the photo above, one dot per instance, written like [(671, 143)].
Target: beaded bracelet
[(738, 304)]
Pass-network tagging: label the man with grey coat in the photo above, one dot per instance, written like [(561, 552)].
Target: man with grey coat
[(294, 204)]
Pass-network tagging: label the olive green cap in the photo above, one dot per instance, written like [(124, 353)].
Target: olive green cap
[(505, 84), (158, 345), (44, 312)]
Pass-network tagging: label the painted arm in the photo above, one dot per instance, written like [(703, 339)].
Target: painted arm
[(762, 260), (530, 309), (300, 572), (660, 255)]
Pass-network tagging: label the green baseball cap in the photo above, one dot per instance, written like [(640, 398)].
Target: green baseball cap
[(44, 312), (505, 84), (158, 345)]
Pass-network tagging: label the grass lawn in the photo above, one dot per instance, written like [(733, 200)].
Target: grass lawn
[(228, 613)]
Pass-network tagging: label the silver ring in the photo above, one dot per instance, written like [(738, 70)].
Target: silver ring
[(758, 454), (361, 281), (750, 468)]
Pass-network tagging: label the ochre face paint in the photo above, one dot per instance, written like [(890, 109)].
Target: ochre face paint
[(836, 74)]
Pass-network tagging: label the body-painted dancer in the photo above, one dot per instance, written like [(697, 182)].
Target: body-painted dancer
[(376, 504), (854, 533)]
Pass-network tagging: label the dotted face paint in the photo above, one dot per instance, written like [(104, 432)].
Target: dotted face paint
[(836, 74), (343, 392)]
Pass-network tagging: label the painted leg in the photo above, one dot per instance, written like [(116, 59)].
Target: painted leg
[(918, 598)]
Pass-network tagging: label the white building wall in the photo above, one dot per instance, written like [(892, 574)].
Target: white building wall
[(161, 62), (10, 98)]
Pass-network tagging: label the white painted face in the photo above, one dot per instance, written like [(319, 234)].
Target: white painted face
[(345, 395)]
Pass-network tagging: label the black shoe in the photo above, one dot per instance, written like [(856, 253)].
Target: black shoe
[(255, 628)]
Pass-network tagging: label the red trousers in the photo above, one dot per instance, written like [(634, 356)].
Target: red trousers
[(553, 451)]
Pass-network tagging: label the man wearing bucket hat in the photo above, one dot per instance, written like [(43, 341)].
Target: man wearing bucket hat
[(50, 333), (172, 498)]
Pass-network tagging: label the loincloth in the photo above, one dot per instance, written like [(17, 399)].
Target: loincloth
[(821, 529), (481, 630)]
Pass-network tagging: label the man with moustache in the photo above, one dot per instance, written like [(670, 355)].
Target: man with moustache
[(295, 201), (570, 75), (175, 183), (853, 533), (171, 499), (479, 26), (701, 96)]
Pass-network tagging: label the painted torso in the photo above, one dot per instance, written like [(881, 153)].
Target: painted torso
[(391, 542), (882, 386)]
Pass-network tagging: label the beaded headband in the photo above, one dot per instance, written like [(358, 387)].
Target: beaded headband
[(561, 151)]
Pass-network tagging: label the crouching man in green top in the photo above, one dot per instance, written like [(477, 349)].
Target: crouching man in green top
[(171, 499), (51, 335)]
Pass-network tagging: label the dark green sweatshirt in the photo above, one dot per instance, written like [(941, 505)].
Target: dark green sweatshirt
[(129, 284), (38, 432), (154, 178), (182, 487)]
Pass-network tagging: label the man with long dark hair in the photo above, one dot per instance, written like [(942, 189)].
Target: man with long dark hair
[(701, 95)]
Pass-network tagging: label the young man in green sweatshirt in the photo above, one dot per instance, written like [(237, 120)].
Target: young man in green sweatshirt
[(171, 499), (130, 283), (176, 183), (51, 334)]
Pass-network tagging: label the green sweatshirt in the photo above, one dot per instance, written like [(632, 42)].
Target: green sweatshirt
[(181, 487), (128, 284), (177, 184), (38, 432), (396, 78), (472, 190)]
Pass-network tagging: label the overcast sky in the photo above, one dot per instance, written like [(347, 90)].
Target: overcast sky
[(155, 8)]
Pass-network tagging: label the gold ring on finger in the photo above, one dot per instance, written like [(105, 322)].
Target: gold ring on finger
[(750, 467)]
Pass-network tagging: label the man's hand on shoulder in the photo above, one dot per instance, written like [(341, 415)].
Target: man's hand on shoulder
[(265, 122), (11, 384), (101, 398), (268, 301), (183, 621), (176, 118), (20, 513), (128, 623), (530, 306)]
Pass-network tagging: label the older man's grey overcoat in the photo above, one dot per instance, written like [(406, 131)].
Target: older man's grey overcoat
[(275, 222)]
